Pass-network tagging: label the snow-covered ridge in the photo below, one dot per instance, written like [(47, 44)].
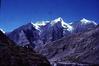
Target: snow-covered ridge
[(67, 26), (2, 30), (85, 21), (56, 20), (39, 23), (43, 32), (64, 24)]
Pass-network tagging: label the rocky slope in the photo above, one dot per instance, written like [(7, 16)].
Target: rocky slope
[(25, 35), (13, 55), (79, 47)]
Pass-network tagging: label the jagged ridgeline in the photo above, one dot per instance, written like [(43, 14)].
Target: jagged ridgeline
[(14, 55), (42, 32)]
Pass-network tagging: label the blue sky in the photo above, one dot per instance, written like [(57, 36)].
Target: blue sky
[(14, 13)]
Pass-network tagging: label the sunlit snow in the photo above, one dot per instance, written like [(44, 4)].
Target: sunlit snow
[(2, 30), (64, 24), (85, 21)]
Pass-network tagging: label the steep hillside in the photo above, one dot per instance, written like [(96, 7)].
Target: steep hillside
[(13, 55), (79, 47)]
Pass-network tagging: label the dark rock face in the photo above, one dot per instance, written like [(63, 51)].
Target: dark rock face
[(78, 47), (46, 33), (57, 31), (13, 55), (51, 33)]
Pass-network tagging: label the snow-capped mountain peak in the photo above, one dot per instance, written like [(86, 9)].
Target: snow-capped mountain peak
[(85, 21), (40, 23), (64, 24), (56, 21), (2, 30), (43, 32)]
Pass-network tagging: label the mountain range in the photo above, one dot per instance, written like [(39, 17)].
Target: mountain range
[(43, 32), (60, 41)]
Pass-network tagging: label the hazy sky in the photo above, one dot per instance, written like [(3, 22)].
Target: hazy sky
[(14, 13)]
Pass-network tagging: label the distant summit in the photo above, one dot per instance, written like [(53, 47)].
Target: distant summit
[(42, 32), (85, 21)]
